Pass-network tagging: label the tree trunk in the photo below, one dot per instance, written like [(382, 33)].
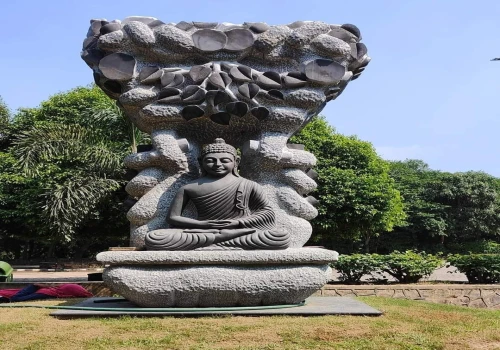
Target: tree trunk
[(367, 244), (51, 252), (26, 250), (377, 243)]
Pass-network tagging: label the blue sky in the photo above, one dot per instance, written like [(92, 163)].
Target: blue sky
[(430, 91)]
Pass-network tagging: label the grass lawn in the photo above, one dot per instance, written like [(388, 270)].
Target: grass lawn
[(405, 325)]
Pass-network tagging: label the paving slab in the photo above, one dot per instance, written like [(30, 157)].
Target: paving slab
[(314, 306), (52, 276)]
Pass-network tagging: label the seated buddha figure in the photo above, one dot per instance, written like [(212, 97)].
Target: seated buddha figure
[(233, 212)]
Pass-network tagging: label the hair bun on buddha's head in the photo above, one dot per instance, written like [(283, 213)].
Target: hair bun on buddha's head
[(219, 146)]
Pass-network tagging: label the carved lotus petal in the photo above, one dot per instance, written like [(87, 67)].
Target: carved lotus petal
[(333, 90), (219, 79), (113, 86), (170, 79), (324, 71), (152, 78), (209, 39), (271, 80), (237, 108), (352, 29), (147, 71), (361, 50), (169, 95), (276, 94), (260, 113), (222, 118), (184, 25), (191, 112), (355, 76), (199, 73), (217, 97), (171, 69), (295, 79), (239, 39), (205, 25), (333, 93), (193, 94), (117, 66), (249, 90), (241, 73), (109, 28), (258, 27)]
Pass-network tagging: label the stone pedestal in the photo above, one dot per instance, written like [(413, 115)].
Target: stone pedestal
[(216, 279)]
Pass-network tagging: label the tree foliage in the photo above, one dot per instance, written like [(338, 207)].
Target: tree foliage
[(62, 171), (358, 199), (353, 267), (454, 207), (86, 167), (479, 268), (416, 183), (4, 121), (472, 204), (409, 266)]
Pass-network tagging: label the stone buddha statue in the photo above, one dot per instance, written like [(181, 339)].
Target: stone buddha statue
[(233, 212)]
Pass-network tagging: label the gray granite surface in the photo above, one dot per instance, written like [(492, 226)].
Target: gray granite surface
[(289, 256), (314, 306), (216, 285)]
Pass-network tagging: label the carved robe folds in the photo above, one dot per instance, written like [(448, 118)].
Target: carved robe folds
[(242, 200)]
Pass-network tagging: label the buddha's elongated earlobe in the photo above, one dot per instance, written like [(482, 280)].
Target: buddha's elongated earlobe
[(236, 165)]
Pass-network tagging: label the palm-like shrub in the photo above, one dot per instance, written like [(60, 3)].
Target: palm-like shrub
[(79, 165)]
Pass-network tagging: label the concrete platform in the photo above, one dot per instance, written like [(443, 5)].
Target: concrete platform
[(314, 306)]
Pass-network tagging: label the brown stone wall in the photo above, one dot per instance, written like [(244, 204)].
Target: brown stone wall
[(478, 296), (470, 295)]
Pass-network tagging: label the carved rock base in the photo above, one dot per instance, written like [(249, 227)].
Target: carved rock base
[(208, 279)]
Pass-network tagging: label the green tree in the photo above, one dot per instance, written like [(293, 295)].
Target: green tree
[(358, 199), (452, 207), (416, 183), (4, 121), (68, 165), (472, 201)]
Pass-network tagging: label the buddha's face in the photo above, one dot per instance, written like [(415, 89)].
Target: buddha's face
[(219, 164)]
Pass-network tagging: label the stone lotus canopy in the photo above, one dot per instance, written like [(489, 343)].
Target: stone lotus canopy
[(171, 73)]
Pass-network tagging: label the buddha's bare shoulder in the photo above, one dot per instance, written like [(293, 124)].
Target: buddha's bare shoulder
[(190, 186)]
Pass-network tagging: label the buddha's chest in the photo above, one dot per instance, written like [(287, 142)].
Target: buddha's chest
[(212, 189)]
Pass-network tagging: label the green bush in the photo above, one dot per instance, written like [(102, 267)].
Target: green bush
[(479, 268), (410, 266), (476, 247), (353, 267)]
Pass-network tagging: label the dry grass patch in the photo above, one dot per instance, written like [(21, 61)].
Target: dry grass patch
[(405, 325)]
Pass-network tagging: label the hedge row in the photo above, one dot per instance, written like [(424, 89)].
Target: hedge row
[(410, 266), (479, 268)]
